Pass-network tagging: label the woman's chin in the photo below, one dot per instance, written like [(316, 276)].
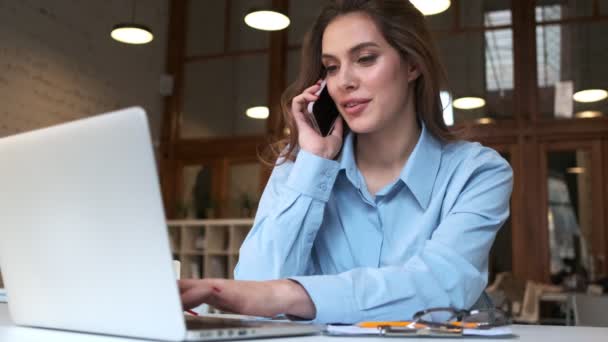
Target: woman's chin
[(361, 127)]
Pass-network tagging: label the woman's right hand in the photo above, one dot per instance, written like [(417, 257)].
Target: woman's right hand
[(308, 138)]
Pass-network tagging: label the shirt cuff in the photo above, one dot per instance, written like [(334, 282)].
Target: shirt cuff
[(333, 304), (313, 175)]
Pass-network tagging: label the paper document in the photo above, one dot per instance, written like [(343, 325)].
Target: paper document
[(356, 330), (350, 330), (498, 331)]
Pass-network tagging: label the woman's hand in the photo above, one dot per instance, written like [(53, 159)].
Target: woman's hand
[(256, 298), (308, 138)]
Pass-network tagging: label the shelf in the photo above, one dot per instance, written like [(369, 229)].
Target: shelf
[(208, 248), (201, 252), (221, 253), (210, 223)]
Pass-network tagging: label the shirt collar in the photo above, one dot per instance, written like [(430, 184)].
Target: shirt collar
[(422, 166), (347, 159), (418, 173)]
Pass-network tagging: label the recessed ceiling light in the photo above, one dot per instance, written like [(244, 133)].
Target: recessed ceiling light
[(485, 121), (469, 103), (259, 112), (430, 7), (588, 114), (267, 20), (590, 95), (575, 170)]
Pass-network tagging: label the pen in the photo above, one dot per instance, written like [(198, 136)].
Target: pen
[(469, 325), (389, 324), (192, 312)]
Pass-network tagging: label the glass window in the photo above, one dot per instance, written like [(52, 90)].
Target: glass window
[(550, 10), (499, 60), (244, 189), (501, 254), (243, 37), (471, 13), (548, 54), (569, 218), (196, 198), (603, 7), (205, 32), (217, 94), (302, 14), (205, 16), (483, 70), (293, 65), (477, 13), (571, 59), (441, 21)]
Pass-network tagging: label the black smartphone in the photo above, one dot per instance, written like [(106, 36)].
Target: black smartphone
[(323, 111)]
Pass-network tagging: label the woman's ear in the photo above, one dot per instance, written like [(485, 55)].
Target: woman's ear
[(412, 71)]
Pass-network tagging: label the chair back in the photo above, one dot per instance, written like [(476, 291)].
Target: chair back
[(484, 302), (590, 310)]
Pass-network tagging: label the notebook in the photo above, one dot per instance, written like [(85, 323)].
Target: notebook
[(83, 240)]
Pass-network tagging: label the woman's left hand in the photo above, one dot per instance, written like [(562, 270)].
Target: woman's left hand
[(256, 298)]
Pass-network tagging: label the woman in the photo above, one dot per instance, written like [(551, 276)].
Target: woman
[(393, 218)]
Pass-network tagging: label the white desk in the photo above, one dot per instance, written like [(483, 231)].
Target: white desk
[(531, 333)]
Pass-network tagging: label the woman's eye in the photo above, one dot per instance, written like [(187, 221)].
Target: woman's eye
[(367, 59), (331, 68)]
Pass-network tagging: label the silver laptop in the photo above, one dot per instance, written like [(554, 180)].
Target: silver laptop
[(83, 238)]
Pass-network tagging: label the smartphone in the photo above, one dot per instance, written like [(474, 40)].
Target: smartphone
[(323, 112)]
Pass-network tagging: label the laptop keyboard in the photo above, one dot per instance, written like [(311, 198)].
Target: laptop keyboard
[(199, 323)]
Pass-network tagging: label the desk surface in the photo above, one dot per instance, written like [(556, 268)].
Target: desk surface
[(11, 333)]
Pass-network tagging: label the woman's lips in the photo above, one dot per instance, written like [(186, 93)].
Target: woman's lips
[(357, 108)]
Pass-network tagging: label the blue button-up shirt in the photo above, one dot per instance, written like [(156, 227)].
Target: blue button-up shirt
[(422, 241)]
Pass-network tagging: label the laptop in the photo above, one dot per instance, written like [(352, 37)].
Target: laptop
[(83, 238)]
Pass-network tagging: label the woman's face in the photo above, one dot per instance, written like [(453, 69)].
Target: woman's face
[(366, 77)]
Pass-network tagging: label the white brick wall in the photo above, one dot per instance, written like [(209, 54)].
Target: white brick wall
[(58, 62)]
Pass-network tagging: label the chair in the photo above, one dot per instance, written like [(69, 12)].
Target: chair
[(534, 294), (484, 302), (507, 293), (590, 310)]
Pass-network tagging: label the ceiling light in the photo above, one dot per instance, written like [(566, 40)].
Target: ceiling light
[(485, 121), (590, 95), (588, 114), (575, 170), (469, 103), (132, 34), (267, 20), (259, 112), (430, 7)]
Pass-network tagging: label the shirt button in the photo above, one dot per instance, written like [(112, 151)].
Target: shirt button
[(323, 186)]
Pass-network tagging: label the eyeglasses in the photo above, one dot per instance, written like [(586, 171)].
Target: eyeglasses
[(447, 321), (467, 319)]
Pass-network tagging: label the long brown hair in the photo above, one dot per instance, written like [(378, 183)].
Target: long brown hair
[(405, 29)]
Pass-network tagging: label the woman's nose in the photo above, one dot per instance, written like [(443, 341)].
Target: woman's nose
[(348, 80)]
